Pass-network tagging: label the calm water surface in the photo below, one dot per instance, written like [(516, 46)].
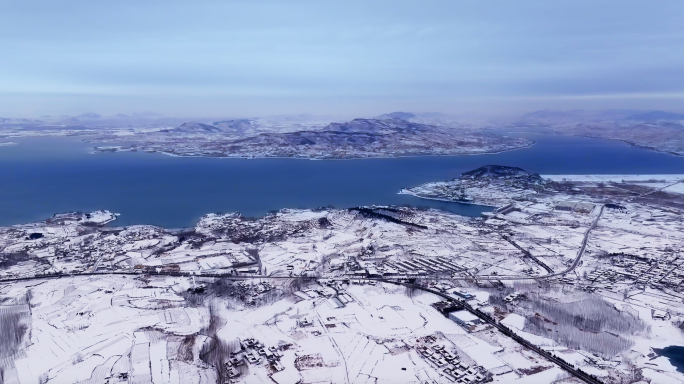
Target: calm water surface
[(42, 176), (675, 354)]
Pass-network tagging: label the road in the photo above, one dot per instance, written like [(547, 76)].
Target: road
[(528, 254), (584, 244), (221, 275), (508, 332), (484, 317), (655, 190)]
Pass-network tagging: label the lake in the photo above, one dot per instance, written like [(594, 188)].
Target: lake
[(43, 176), (675, 354)]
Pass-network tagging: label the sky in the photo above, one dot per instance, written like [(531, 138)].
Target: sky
[(361, 58)]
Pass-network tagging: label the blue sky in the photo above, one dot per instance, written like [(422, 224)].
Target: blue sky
[(247, 58)]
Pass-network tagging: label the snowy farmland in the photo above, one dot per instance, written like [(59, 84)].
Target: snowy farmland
[(146, 330), (587, 273)]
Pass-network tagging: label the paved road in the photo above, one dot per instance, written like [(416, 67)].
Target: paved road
[(584, 244)]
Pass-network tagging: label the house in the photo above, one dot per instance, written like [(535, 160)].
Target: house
[(305, 323), (584, 207), (372, 272), (659, 315), (505, 209), (512, 297), (567, 206), (463, 294)]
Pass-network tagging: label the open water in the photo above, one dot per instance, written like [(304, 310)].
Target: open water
[(675, 353), (43, 176)]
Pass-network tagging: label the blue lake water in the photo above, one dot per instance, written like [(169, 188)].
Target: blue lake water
[(42, 176), (675, 354)]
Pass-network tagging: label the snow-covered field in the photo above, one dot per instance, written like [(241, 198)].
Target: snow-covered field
[(294, 296), (150, 330)]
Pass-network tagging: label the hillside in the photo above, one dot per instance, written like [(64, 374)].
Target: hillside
[(500, 172), (358, 138)]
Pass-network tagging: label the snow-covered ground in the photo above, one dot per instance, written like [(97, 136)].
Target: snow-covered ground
[(295, 301), (358, 138), (617, 178), (118, 329)]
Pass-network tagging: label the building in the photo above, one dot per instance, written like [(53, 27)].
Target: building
[(464, 318), (505, 209), (567, 206), (584, 207), (463, 294), (360, 273), (660, 315), (373, 272), (446, 307), (512, 297)]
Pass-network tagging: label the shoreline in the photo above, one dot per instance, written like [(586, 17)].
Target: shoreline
[(404, 191), (638, 145), (631, 144), (95, 152)]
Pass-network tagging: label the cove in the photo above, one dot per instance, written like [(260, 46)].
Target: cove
[(675, 354)]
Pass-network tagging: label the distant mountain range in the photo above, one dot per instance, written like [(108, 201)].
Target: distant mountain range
[(389, 125), (583, 116), (548, 116), (654, 116), (193, 127), (388, 137), (356, 133), (381, 126), (397, 115)]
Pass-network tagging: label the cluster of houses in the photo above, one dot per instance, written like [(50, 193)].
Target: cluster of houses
[(333, 290), (574, 206), (426, 265), (634, 270), (413, 267), (252, 352), (250, 292), (454, 309), (453, 368)]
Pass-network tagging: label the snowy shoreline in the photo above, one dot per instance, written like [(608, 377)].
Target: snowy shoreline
[(114, 149), (405, 191), (619, 178)]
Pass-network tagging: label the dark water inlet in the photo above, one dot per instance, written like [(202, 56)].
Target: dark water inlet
[(675, 354)]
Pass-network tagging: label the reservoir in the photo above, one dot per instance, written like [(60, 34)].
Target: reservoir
[(675, 354), (42, 176)]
